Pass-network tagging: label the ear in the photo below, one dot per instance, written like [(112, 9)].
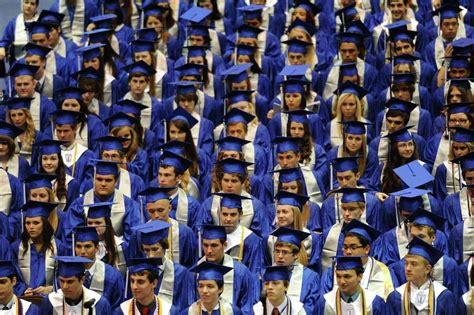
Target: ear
[(357, 175)]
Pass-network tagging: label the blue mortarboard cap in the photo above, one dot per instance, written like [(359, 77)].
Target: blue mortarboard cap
[(350, 195), (462, 135), (38, 208), (104, 21), (347, 11), (174, 146), (186, 87), (297, 46), (181, 114), (401, 135), (36, 50), (153, 10), (70, 266), (237, 73), (236, 115), (99, 35), (86, 73), (239, 96), (286, 198), (308, 6), (153, 194), (348, 262), (140, 264), (111, 143), (348, 69), (398, 104), (423, 217), (349, 37), (462, 46), (50, 17), (230, 200), (196, 14), (154, 232), (294, 86), (198, 30), (230, 143), (405, 59), (210, 271), (421, 248), (247, 31), (39, 181), (285, 144), (401, 24), (47, 147), (276, 273), (292, 236), (148, 34), (180, 163), (357, 27), (466, 161), (448, 11), (140, 67), (294, 70), (252, 11), (9, 130), (111, 5), (234, 166), (90, 52), (306, 27), (399, 34), (20, 69), (37, 28), (213, 232), (105, 167), (287, 175), (197, 51), (142, 45), (70, 93), (299, 116), (344, 164), (7, 268), (456, 108), (413, 174), (86, 234), (66, 117), (190, 69), (362, 229), (131, 107), (460, 82), (355, 127), (459, 61), (18, 103), (404, 78), (246, 50), (120, 120), (351, 88), (99, 210), (410, 199)]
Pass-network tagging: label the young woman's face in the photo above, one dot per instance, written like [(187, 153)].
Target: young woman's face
[(39, 194), (406, 149), (296, 129), (144, 56), (459, 149), (154, 22), (354, 142), (34, 226), (299, 13), (99, 223), (126, 134), (71, 104), (348, 107), (94, 63), (284, 215), (17, 117), (176, 133), (50, 163), (293, 100)]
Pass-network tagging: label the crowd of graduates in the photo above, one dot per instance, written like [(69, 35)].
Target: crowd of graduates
[(237, 157)]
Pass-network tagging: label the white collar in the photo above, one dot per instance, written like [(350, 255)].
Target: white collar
[(10, 304), (92, 268), (214, 309), (281, 308)]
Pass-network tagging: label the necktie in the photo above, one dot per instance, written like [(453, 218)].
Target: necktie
[(87, 279), (350, 300), (275, 311), (145, 310), (5, 308)]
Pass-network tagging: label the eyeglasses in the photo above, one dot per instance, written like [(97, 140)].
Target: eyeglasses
[(351, 247), (282, 252), (458, 121)]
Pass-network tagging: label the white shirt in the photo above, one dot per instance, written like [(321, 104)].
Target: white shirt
[(283, 307)]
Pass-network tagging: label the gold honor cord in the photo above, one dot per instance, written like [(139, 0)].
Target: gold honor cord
[(406, 300), (131, 308), (221, 309), (241, 248), (82, 306), (74, 160), (170, 241), (362, 302)]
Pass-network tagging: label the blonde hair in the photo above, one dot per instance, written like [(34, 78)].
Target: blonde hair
[(470, 146), (337, 113), (29, 132)]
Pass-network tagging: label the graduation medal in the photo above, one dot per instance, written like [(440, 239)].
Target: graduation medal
[(362, 302), (406, 300)]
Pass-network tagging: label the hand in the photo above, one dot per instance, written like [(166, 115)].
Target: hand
[(2, 53), (43, 290), (436, 4), (90, 27), (270, 114), (381, 196), (448, 52), (28, 292)]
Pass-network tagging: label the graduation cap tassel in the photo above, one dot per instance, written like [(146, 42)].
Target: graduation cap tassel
[(165, 133), (397, 210), (55, 274), (73, 243), (337, 208), (199, 242), (126, 284), (453, 177), (142, 18), (460, 177), (142, 208), (331, 179), (469, 204)]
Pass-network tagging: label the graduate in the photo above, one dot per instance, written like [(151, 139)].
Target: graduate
[(36, 249), (75, 156), (464, 305), (424, 224), (289, 251), (173, 172), (123, 32), (420, 293), (77, 15), (10, 159), (144, 278), (24, 83), (360, 239), (50, 162), (197, 54), (241, 290), (155, 239), (232, 177), (183, 245), (111, 149), (88, 80), (125, 211), (15, 36), (211, 283), (9, 300), (73, 297), (48, 84), (350, 295), (99, 277), (288, 155), (276, 281), (242, 244), (395, 240)]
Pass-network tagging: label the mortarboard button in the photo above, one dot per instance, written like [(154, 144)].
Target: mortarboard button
[(414, 174)]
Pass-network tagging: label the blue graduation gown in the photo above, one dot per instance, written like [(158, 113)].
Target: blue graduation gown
[(75, 216), (102, 307), (81, 165), (444, 303), (449, 275), (452, 209), (426, 74), (90, 9), (456, 240), (433, 149), (24, 169), (423, 127), (16, 202), (440, 183), (463, 277), (139, 165), (315, 123), (375, 145), (113, 285), (8, 37), (252, 252), (377, 307)]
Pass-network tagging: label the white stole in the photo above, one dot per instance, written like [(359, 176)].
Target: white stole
[(24, 262), (98, 278), (467, 237), (165, 307), (441, 154), (5, 192), (51, 63), (145, 114), (174, 240), (73, 29), (35, 110), (182, 207), (125, 185), (247, 210), (57, 301), (20, 38), (117, 212)]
